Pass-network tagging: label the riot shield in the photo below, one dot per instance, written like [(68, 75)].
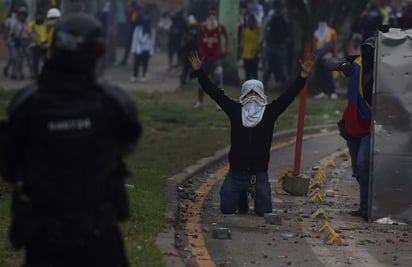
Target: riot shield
[(390, 192)]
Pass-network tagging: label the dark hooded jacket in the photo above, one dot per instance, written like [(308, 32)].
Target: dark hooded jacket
[(250, 147)]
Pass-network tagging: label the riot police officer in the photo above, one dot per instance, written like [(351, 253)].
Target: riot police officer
[(66, 139)]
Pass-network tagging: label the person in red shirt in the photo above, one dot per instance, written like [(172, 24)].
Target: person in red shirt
[(211, 50)]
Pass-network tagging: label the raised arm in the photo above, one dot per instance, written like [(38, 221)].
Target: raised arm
[(216, 93), (306, 66), (195, 60)]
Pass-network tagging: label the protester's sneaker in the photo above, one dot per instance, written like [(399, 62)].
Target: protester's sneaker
[(360, 213), (320, 96), (133, 79), (197, 105), (334, 96)]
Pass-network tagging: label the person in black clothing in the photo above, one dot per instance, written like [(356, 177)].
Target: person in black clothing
[(177, 29), (132, 20), (191, 40), (252, 122), (277, 37), (62, 150)]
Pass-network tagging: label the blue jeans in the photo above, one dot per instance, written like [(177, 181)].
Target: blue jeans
[(235, 187), (359, 150), (353, 147), (363, 170)]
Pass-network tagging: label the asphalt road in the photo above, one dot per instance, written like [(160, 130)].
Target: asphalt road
[(333, 238), (159, 77)]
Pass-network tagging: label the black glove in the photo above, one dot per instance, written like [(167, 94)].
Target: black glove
[(384, 28), (346, 68)]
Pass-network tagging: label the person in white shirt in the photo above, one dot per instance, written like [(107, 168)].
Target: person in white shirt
[(143, 46)]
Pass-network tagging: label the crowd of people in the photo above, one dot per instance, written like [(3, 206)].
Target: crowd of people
[(265, 40), (27, 41)]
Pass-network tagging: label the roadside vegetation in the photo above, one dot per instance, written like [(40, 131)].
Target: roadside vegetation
[(175, 136)]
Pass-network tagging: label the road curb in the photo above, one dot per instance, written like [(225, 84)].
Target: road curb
[(165, 240)]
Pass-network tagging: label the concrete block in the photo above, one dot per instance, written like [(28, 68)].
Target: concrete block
[(273, 218), (295, 185), (221, 233)]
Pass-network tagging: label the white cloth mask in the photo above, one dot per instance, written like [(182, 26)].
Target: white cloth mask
[(253, 107)]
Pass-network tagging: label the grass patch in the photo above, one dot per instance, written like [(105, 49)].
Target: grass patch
[(175, 136)]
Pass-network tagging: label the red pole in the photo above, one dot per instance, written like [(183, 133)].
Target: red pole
[(301, 119)]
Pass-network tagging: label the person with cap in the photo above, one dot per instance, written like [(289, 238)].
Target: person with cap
[(356, 120), (53, 16), (190, 42), (252, 120), (62, 150)]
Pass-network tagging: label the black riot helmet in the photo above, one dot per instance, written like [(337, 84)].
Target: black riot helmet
[(77, 44), (368, 51)]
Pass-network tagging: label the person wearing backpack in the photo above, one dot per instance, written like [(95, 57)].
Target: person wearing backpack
[(62, 151)]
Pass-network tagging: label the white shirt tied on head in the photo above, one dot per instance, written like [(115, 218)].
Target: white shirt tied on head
[(253, 106)]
